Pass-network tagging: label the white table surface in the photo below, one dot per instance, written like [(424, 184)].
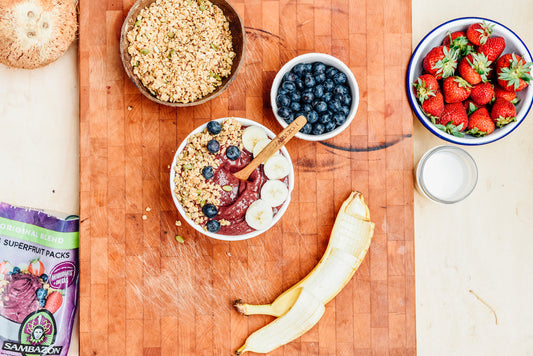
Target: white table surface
[(481, 247)]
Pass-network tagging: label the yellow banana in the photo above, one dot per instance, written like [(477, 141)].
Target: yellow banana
[(301, 306)]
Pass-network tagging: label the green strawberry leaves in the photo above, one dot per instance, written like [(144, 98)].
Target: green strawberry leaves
[(452, 129)]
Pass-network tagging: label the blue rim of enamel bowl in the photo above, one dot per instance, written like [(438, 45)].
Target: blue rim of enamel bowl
[(416, 108)]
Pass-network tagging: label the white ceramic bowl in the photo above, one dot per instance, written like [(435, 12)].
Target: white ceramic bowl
[(513, 43), (327, 60), (199, 228)]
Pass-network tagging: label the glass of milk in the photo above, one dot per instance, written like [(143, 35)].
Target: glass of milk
[(446, 174)]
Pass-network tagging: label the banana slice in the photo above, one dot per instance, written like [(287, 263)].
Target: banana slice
[(274, 192), (260, 145), (277, 167), (251, 136), (259, 215)]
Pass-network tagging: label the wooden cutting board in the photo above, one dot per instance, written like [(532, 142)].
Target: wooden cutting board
[(143, 293)]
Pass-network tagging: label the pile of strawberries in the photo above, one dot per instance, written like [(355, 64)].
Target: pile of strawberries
[(468, 86)]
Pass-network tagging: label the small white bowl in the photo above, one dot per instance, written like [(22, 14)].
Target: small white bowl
[(434, 38), (327, 60), (199, 228)]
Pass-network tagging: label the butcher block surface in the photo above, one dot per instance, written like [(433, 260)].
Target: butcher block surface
[(144, 293)]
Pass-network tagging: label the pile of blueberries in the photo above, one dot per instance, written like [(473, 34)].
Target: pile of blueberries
[(317, 91)]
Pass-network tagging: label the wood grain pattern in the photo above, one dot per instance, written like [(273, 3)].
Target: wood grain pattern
[(142, 293)]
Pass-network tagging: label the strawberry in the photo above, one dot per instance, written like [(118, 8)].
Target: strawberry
[(479, 32), (425, 86), (493, 48), (482, 93), (503, 112), (433, 106), (53, 302), (36, 267), (458, 41), (507, 95), (480, 123), (5, 266), (470, 106), (455, 89), (474, 68), (514, 73), (453, 119), (441, 62)]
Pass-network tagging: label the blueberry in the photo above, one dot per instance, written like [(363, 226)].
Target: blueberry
[(307, 107), (320, 77), (334, 105), (340, 78), (289, 86), (308, 67), (340, 89), (213, 146), (299, 69), (213, 226), (289, 76), (309, 80), (16, 270), (339, 118), (44, 277), (233, 152), (214, 127), (345, 110), (299, 84), (207, 172), (330, 126), (42, 303), (284, 112), (307, 128), (327, 97), (282, 91), (295, 106), (308, 97), (329, 85), (321, 107), (312, 117), (290, 118), (295, 96), (347, 99), (325, 117), (319, 67), (210, 210), (318, 91), (331, 71), (283, 100), (41, 293), (318, 129)]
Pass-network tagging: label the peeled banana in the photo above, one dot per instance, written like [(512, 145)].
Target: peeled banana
[(300, 307)]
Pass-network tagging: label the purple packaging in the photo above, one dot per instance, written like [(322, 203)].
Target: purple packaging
[(39, 278)]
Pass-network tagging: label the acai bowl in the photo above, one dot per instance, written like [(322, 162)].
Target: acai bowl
[(211, 199)]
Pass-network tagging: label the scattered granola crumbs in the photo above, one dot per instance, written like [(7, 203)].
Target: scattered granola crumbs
[(178, 223), (148, 208), (130, 108), (145, 217)]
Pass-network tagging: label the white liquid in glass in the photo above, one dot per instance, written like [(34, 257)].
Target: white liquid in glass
[(445, 175)]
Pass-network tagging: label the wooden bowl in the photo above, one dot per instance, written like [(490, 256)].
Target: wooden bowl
[(239, 47)]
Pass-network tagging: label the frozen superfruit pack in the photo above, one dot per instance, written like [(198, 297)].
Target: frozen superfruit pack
[(39, 279)]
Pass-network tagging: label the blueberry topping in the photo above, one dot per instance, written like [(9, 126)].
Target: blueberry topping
[(330, 126), (295, 96), (214, 127), (329, 84), (299, 113), (320, 77), (321, 107), (282, 91), (213, 226), (290, 118), (283, 100), (295, 106), (41, 293), (334, 105), (340, 78), (318, 129), (325, 117), (308, 97), (44, 277), (309, 81), (307, 128), (210, 210), (340, 89), (345, 110), (347, 99), (299, 69), (307, 107), (319, 67), (213, 146), (318, 91), (299, 84), (327, 97), (339, 118), (289, 76), (312, 117), (16, 270), (284, 112), (207, 172), (331, 71), (233, 152), (308, 67), (288, 86)]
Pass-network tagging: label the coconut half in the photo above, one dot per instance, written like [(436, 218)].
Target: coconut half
[(34, 33)]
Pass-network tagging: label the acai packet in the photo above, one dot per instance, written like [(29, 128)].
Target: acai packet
[(39, 277)]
